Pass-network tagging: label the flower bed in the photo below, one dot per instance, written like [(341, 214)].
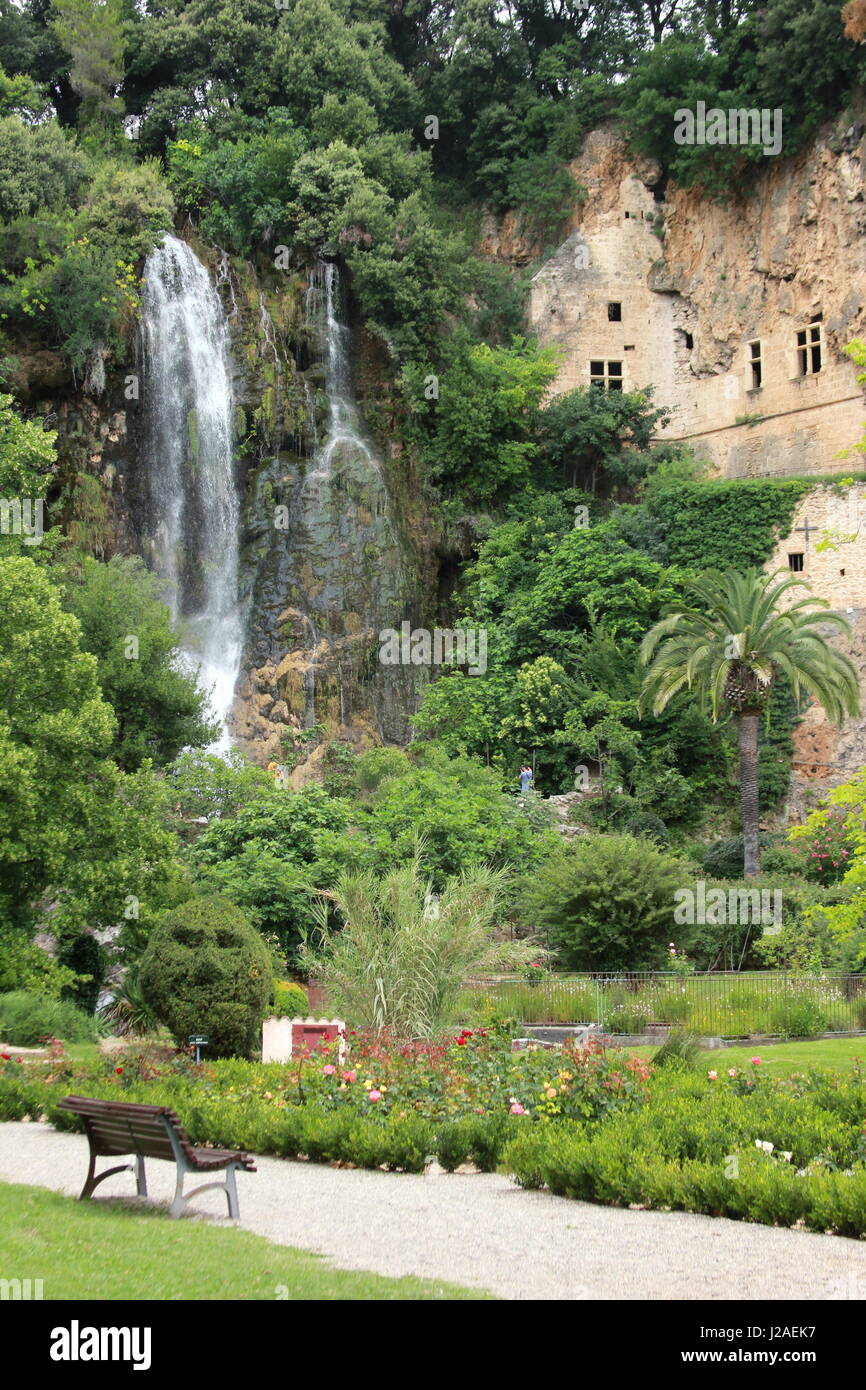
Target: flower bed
[(587, 1124), (387, 1104)]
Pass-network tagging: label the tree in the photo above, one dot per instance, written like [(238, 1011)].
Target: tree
[(604, 902), (160, 708), (91, 31), (272, 854), (483, 438), (592, 436), (80, 843), (732, 647)]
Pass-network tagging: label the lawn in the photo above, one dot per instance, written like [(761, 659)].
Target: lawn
[(782, 1059), (112, 1251)]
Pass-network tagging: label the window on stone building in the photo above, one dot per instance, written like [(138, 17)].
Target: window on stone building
[(607, 376), (756, 365), (690, 342), (795, 562), (809, 349), (614, 313)]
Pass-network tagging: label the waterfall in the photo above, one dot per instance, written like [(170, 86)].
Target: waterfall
[(192, 498), (324, 315)]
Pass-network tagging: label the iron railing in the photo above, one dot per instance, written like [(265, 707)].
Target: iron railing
[(728, 1004)]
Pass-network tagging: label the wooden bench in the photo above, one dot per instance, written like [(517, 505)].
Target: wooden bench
[(116, 1127)]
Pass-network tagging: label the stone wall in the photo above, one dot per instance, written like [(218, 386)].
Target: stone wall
[(833, 518)]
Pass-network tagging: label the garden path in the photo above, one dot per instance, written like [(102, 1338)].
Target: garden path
[(482, 1230)]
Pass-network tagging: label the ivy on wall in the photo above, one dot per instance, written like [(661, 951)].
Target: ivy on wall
[(732, 524)]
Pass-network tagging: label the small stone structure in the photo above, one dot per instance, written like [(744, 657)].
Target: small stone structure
[(283, 1038)]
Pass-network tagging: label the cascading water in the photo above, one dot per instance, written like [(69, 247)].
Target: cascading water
[(324, 317), (192, 498)]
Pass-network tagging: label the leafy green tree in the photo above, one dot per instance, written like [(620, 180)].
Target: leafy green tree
[(215, 785), (160, 708), (272, 854), (742, 634), (604, 902), (460, 812), (40, 167), (599, 439), (81, 845), (91, 31), (483, 431), (27, 460)]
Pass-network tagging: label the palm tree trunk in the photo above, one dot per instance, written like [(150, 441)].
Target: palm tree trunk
[(748, 745)]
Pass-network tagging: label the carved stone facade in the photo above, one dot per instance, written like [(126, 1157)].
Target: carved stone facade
[(736, 315)]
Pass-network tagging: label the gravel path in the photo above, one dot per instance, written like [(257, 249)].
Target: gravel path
[(482, 1230)]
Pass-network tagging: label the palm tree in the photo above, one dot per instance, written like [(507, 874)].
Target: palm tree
[(731, 647)]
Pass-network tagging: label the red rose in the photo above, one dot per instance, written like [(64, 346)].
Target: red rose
[(118, 1070)]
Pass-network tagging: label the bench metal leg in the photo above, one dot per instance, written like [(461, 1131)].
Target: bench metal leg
[(140, 1176), (232, 1192), (178, 1205), (92, 1181)]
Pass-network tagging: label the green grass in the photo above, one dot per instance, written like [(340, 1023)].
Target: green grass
[(780, 1059), (109, 1250)]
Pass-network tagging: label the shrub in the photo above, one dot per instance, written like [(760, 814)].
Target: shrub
[(724, 859), (402, 953), (127, 1012), (681, 1049), (26, 1018), (606, 903), (289, 1000), (85, 956), (207, 970), (798, 1017), (646, 826)]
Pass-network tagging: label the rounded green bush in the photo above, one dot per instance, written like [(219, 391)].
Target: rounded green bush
[(27, 1018), (289, 1000), (724, 858), (646, 826), (207, 970)]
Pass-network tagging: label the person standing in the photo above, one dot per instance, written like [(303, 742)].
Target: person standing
[(525, 779)]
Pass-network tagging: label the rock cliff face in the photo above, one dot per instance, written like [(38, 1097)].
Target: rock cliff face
[(707, 302), (659, 286), (336, 544), (333, 548)]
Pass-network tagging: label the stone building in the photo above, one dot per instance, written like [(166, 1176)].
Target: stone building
[(738, 316)]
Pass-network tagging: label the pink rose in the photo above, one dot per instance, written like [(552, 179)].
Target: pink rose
[(329, 1070), (350, 1076), (713, 1075), (756, 1061), (732, 1071), (374, 1095), (517, 1109)]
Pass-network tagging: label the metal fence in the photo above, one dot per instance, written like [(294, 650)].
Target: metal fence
[(713, 1003)]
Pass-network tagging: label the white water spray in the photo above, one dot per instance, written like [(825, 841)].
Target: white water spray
[(193, 499)]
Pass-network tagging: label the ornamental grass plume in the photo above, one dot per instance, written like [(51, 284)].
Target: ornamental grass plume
[(401, 952)]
